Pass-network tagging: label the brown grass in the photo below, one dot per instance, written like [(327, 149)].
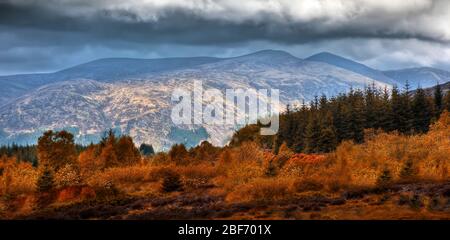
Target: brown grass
[(262, 190)]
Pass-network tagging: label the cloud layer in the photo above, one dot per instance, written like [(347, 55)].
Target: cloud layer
[(62, 32)]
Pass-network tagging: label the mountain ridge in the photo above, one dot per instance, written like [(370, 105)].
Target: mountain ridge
[(138, 103), (351, 65)]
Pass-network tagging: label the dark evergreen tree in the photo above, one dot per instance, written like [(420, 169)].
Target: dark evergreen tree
[(421, 112), (327, 138), (339, 122), (438, 100), (356, 117), (401, 110), (146, 149), (407, 110), (323, 103), (312, 135), (45, 181), (301, 120), (371, 109), (288, 127), (311, 128), (385, 120)]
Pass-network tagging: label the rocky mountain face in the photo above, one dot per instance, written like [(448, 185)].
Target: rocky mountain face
[(133, 96)]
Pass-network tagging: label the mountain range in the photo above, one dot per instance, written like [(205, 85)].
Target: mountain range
[(133, 96)]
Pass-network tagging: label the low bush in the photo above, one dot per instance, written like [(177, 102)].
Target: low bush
[(171, 182)]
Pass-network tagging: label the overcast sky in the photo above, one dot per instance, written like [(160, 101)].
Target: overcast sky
[(48, 35)]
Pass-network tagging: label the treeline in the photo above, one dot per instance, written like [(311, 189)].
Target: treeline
[(27, 153), (21, 153), (50, 139), (325, 122)]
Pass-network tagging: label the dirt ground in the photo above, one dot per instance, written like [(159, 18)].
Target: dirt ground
[(401, 201)]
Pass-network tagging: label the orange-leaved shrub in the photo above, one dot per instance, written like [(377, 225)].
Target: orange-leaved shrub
[(69, 175), (240, 165), (16, 177)]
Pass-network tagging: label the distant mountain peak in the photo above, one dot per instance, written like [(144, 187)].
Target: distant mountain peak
[(265, 57), (328, 56), (325, 54), (345, 63), (269, 53)]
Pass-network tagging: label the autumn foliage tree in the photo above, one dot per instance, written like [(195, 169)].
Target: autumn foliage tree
[(112, 151), (89, 160), (126, 152), (205, 152), (56, 149), (178, 154)]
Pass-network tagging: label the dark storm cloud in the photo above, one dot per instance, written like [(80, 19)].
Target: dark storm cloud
[(180, 25), (62, 32)]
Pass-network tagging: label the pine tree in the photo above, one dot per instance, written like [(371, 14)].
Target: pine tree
[(356, 118), (438, 100), (301, 120), (371, 107), (323, 103), (339, 119), (421, 112), (408, 116), (45, 181), (385, 117), (312, 135), (345, 128), (396, 105), (402, 116), (327, 139), (286, 128), (146, 149)]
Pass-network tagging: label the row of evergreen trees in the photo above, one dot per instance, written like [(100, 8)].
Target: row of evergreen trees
[(22, 153), (324, 123)]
